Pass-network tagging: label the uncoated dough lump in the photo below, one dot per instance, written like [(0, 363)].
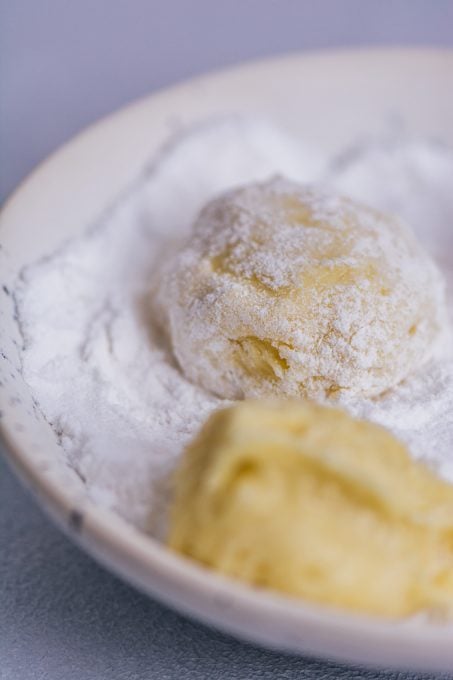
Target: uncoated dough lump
[(289, 289), (304, 499)]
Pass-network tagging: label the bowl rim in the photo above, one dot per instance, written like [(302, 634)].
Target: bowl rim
[(181, 583)]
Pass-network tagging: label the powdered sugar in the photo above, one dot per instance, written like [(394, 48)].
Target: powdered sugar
[(102, 374), (385, 172), (289, 289)]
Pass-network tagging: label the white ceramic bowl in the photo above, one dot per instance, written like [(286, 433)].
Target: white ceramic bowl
[(329, 98)]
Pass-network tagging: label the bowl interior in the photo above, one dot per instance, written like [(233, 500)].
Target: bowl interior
[(329, 99)]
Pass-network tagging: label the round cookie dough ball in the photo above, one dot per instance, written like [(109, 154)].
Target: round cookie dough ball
[(304, 499), (289, 289)]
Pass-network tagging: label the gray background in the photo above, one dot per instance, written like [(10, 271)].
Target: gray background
[(64, 63)]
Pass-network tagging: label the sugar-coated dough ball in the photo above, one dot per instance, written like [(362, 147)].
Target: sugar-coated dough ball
[(288, 289), (304, 499)]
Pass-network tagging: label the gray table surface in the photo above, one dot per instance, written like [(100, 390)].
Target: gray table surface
[(63, 64)]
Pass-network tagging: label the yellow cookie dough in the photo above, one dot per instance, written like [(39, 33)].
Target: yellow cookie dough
[(288, 289), (304, 499)]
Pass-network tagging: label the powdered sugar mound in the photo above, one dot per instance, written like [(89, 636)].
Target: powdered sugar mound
[(100, 373), (97, 365), (404, 176)]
